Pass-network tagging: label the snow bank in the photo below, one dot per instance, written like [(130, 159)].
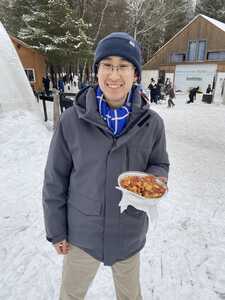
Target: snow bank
[(15, 89)]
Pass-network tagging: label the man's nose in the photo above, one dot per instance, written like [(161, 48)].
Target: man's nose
[(115, 72)]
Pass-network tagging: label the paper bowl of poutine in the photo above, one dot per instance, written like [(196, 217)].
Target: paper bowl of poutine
[(141, 188)]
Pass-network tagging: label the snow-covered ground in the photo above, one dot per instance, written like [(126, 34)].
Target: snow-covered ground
[(184, 257)]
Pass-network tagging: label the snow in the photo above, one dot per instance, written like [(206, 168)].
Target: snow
[(15, 89), (184, 256), (217, 23)]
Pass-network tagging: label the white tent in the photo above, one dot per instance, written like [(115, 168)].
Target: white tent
[(15, 89)]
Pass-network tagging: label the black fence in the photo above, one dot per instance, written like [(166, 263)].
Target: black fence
[(66, 100), (45, 98)]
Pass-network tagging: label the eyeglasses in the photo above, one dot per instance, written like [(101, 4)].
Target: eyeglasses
[(121, 68)]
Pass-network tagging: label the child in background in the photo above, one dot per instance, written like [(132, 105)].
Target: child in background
[(171, 94)]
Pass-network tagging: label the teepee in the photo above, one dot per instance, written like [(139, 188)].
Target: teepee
[(15, 89)]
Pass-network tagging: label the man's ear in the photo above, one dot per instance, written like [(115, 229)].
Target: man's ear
[(135, 78)]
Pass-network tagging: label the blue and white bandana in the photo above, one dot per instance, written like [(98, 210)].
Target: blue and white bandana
[(116, 118)]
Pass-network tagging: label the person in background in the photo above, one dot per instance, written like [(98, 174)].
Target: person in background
[(157, 92), (192, 94), (65, 79), (152, 88), (142, 91), (109, 130), (71, 79), (61, 85), (209, 89), (171, 95), (167, 84), (46, 83)]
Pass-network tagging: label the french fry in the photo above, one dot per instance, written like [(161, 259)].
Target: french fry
[(146, 186)]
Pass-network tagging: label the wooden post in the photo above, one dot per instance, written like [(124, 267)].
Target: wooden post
[(55, 107)]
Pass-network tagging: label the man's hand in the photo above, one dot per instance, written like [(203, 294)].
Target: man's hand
[(62, 247), (163, 179)]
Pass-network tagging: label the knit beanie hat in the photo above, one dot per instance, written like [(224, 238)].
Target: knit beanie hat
[(119, 44)]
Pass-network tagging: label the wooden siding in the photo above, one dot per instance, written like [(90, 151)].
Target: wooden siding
[(31, 59), (168, 69), (199, 29), (221, 67)]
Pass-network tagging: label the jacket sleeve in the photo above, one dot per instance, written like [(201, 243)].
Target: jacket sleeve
[(55, 188), (158, 164)]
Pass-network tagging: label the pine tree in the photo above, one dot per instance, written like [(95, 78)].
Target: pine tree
[(214, 9), (182, 13), (53, 27), (3, 16), (7, 16)]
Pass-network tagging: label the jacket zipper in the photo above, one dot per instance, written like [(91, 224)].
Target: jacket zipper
[(113, 145)]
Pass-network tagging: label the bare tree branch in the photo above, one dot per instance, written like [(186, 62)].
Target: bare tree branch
[(155, 23), (101, 20)]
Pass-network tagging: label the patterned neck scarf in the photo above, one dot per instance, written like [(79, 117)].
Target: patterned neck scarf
[(116, 118)]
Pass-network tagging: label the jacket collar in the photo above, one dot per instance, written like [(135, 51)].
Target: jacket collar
[(86, 107)]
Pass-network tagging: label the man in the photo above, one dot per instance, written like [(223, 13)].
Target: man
[(192, 94), (61, 85), (108, 131), (209, 89), (152, 88), (46, 83)]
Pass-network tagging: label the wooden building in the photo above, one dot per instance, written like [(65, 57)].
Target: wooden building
[(195, 56), (33, 61)]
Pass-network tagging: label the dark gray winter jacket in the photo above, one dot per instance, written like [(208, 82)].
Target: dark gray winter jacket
[(79, 196)]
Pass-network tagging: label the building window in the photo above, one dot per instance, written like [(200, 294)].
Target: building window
[(192, 47), (30, 74), (177, 57), (217, 55), (196, 50), (201, 50)]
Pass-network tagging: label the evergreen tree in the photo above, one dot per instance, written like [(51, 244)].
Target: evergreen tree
[(52, 26), (6, 14), (214, 9), (182, 14)]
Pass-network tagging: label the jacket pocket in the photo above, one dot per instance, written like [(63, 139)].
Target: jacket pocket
[(134, 226), (85, 204), (132, 211), (138, 158)]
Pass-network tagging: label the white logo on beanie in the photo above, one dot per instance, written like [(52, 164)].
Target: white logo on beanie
[(132, 43)]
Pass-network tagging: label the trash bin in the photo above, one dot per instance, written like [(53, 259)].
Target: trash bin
[(207, 98)]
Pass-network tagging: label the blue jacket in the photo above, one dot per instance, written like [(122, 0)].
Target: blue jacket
[(79, 196)]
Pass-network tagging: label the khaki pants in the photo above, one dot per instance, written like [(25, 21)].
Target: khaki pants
[(79, 269)]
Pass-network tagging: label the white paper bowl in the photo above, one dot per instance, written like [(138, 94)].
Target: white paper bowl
[(135, 198)]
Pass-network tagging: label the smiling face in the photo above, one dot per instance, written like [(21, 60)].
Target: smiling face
[(115, 77)]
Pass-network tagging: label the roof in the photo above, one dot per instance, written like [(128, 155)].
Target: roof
[(20, 42), (215, 22), (34, 50)]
